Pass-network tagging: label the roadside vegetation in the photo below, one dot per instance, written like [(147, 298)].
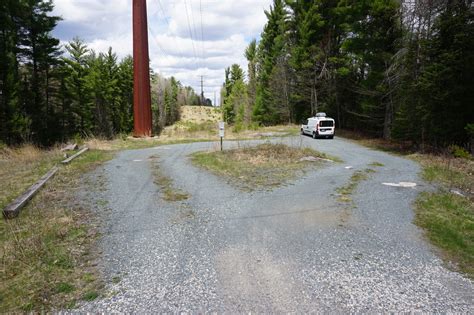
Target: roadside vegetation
[(264, 166), (448, 214), (46, 254)]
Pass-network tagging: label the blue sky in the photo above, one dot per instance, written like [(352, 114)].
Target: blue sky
[(180, 45)]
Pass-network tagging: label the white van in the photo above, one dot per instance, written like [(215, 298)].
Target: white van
[(319, 126)]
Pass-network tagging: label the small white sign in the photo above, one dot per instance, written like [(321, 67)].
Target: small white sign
[(221, 129)]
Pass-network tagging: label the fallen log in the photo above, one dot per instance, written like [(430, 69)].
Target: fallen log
[(13, 209), (72, 157)]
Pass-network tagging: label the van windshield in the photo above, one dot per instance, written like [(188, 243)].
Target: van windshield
[(326, 123)]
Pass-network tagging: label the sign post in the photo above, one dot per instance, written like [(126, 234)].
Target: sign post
[(221, 131)]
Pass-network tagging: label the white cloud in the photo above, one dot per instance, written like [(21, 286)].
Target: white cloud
[(176, 34)]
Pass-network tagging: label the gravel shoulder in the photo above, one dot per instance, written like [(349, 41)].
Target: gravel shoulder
[(296, 248)]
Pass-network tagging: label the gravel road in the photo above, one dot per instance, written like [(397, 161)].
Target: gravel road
[(293, 249)]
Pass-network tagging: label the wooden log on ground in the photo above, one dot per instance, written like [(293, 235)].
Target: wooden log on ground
[(13, 209), (72, 157)]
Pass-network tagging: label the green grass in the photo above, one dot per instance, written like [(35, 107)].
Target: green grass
[(90, 296), (46, 252), (448, 219), (376, 164), (63, 287), (447, 176), (346, 191), (263, 166), (449, 224)]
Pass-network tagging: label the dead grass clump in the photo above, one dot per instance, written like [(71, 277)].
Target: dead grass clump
[(24, 154)]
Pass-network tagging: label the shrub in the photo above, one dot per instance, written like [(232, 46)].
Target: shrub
[(459, 152)]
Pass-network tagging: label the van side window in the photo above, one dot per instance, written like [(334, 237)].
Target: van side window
[(306, 122)]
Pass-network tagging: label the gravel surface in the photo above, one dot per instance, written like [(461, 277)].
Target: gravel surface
[(293, 249)]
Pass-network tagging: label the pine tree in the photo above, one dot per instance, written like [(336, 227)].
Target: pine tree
[(78, 114), (40, 51), (13, 123), (270, 48)]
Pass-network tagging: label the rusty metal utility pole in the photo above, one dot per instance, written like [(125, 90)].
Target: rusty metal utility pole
[(141, 72)]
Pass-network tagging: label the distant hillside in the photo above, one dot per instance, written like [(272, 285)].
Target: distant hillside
[(200, 114)]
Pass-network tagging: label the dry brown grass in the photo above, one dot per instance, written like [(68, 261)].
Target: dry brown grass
[(200, 114), (22, 167), (450, 172), (208, 131)]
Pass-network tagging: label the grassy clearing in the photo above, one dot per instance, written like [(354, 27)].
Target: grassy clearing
[(168, 190), (266, 165), (208, 131), (199, 114), (449, 224), (46, 253)]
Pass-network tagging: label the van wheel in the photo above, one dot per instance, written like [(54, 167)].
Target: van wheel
[(331, 137), (314, 135)]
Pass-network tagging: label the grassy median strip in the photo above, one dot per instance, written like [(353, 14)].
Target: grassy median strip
[(346, 191), (266, 165), (46, 253)]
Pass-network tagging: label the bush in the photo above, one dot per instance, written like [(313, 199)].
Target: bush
[(459, 152)]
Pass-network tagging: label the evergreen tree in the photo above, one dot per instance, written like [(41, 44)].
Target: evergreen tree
[(13, 122), (270, 48), (251, 55), (39, 51)]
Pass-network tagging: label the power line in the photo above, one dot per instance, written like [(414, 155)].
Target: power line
[(156, 40), (189, 27), (165, 17), (202, 30)]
